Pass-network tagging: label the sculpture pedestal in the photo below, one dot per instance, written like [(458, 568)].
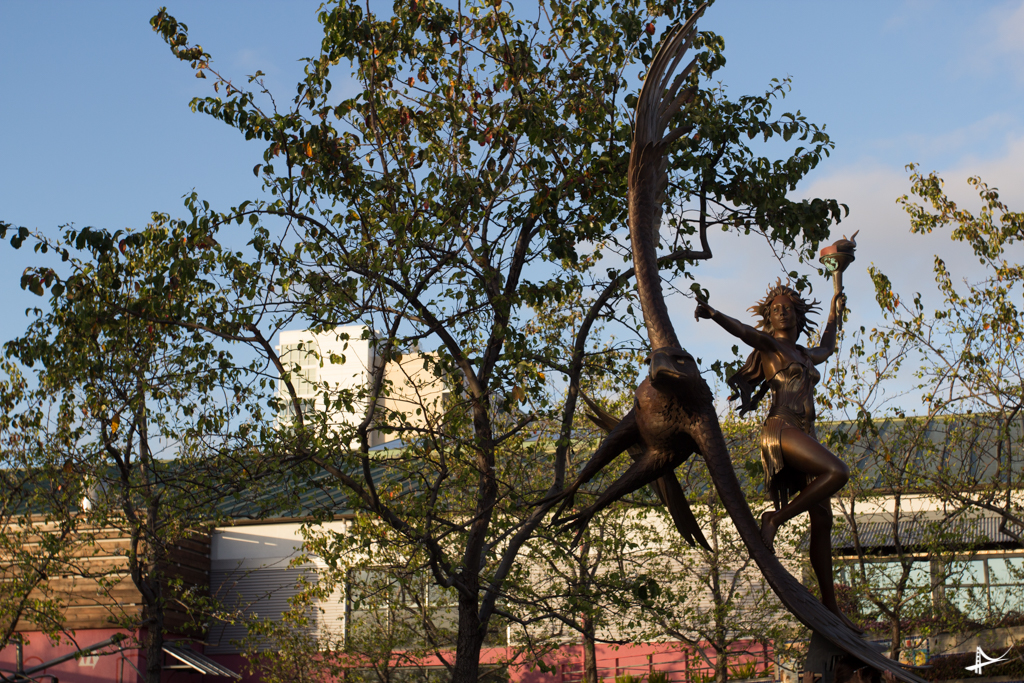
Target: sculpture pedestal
[(835, 665), (822, 656)]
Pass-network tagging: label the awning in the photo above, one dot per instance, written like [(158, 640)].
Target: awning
[(195, 661)]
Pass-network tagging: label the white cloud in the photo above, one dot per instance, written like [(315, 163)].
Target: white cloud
[(994, 43), (1009, 30), (951, 142), (885, 238)]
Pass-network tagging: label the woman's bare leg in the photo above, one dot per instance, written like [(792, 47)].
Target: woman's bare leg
[(804, 454), (821, 558), (821, 553)]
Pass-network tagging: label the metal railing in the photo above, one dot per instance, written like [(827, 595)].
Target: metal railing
[(684, 667)]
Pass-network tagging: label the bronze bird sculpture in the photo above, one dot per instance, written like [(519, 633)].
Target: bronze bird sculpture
[(656, 429), (673, 414)]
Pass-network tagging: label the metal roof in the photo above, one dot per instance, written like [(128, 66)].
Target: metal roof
[(967, 533), (320, 493), (197, 661)]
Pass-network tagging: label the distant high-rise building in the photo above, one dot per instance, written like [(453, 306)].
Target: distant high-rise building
[(339, 363)]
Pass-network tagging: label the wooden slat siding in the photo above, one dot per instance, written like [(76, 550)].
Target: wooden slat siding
[(195, 540), (99, 566), (191, 577), (83, 583), (90, 606), (87, 592), (92, 617), (178, 622), (195, 544), (106, 546), (82, 532), (179, 558), (187, 558)]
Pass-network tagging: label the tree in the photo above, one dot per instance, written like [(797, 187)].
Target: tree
[(894, 590), (33, 546), (131, 413), (956, 450), (474, 181), (971, 347)]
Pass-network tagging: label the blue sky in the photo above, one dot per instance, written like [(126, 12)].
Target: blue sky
[(97, 129)]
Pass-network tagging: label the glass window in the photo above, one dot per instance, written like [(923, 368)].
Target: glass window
[(966, 588), (1006, 578), (886, 575), (387, 608), (1006, 571), (986, 589), (982, 589), (971, 601), (308, 373), (966, 573), (1007, 599)]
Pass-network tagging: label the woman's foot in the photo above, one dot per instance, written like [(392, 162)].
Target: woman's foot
[(768, 530)]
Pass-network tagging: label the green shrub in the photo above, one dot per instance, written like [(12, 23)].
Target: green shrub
[(697, 677), (743, 671), (658, 677)]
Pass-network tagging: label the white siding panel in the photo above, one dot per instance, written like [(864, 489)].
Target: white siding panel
[(262, 593)]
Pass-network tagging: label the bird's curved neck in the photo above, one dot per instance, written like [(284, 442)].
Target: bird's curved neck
[(644, 224)]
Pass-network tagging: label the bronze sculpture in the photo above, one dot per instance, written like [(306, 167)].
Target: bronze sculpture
[(673, 413), (793, 459)]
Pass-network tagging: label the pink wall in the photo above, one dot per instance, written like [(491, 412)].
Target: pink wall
[(89, 669), (679, 661), (111, 664), (682, 663), (565, 665)]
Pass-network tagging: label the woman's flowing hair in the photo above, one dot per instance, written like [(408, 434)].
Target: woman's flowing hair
[(750, 377)]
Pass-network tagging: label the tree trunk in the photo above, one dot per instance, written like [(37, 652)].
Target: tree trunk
[(470, 641), (721, 666), (896, 636), (589, 651), (155, 640)]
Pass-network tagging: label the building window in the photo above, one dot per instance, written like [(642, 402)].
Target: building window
[(884, 578), (986, 588), (398, 610), (981, 589), (305, 379)]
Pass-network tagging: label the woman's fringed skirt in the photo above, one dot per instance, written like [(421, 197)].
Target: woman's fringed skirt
[(780, 481)]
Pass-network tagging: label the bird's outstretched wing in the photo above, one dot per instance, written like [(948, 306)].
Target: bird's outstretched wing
[(659, 101), (667, 488)]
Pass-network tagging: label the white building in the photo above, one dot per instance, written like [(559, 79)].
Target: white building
[(327, 366)]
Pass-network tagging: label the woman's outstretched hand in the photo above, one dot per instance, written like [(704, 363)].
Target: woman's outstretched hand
[(703, 311)]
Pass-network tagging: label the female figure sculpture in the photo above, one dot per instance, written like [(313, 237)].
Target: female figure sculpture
[(795, 463)]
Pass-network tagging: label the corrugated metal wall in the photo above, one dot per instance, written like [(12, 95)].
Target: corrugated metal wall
[(266, 593)]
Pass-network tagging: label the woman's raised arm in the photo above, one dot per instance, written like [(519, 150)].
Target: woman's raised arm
[(750, 336), (819, 354)]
